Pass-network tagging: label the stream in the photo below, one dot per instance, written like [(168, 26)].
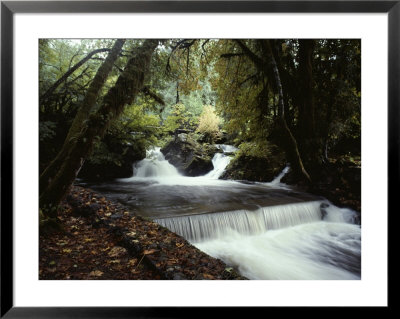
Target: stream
[(263, 230)]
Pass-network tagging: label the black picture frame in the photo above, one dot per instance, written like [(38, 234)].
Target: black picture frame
[(9, 8)]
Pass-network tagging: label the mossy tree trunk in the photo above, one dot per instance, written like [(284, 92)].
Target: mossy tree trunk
[(80, 143), (83, 114)]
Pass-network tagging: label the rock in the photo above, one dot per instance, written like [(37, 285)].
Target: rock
[(179, 152), (251, 168), (222, 138), (190, 157), (199, 166)]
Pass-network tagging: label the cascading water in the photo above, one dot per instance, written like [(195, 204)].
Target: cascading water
[(264, 230), (227, 148), (198, 228), (310, 240), (319, 250), (220, 161), (277, 180), (156, 168), (154, 165)]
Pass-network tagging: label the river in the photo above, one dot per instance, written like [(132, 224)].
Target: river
[(264, 230)]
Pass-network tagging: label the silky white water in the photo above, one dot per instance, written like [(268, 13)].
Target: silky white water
[(264, 230), (220, 162), (246, 222), (313, 251), (156, 168), (294, 241), (277, 180)]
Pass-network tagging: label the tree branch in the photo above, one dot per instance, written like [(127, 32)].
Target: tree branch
[(44, 96), (146, 90), (253, 57)]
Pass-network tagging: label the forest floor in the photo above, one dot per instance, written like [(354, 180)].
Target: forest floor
[(101, 239)]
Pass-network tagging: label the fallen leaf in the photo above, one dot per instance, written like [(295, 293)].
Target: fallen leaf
[(67, 251), (117, 251), (132, 262), (96, 273), (149, 252), (131, 234)]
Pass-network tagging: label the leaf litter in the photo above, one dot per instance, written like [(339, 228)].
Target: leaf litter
[(111, 243)]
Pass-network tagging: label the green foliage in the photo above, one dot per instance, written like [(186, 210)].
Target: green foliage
[(47, 130), (179, 118), (260, 149), (248, 97), (135, 128)]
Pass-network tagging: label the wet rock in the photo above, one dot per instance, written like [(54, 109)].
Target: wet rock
[(251, 168), (199, 166), (189, 156)]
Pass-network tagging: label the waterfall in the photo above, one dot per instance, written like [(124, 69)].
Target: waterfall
[(220, 162), (208, 226), (154, 165), (308, 241), (264, 230), (277, 179)]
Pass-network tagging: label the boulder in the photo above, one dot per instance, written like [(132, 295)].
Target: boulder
[(252, 169), (198, 166), (190, 157), (180, 151), (256, 168)]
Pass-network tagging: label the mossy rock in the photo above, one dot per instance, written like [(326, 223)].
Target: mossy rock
[(253, 168), (199, 166)]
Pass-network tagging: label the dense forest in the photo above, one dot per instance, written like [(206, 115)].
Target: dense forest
[(280, 102)]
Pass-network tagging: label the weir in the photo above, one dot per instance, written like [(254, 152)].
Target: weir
[(202, 227)]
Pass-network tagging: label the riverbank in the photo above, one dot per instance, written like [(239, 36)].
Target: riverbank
[(339, 181), (102, 240)]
